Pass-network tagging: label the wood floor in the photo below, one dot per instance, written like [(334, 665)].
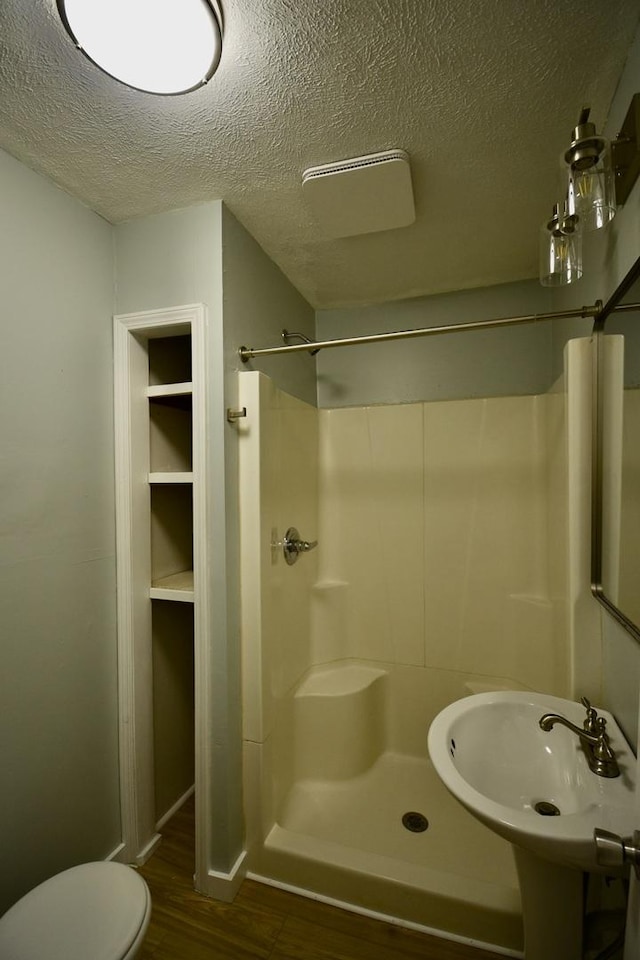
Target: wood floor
[(264, 922)]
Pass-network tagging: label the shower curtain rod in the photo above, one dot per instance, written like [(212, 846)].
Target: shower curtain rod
[(248, 353)]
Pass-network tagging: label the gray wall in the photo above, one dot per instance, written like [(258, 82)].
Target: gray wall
[(59, 801), (483, 363), (259, 302)]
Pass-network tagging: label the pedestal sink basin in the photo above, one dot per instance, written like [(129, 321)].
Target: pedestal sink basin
[(536, 790), (533, 788)]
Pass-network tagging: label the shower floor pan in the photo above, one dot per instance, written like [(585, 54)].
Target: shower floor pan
[(345, 840)]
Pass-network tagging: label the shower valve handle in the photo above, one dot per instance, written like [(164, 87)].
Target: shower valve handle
[(293, 546), (304, 546)]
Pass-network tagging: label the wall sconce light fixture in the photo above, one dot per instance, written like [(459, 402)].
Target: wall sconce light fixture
[(166, 47), (598, 177), (560, 249), (590, 180)]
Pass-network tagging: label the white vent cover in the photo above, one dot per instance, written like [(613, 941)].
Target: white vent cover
[(362, 195)]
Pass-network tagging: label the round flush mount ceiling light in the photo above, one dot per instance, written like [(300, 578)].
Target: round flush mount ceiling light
[(158, 46)]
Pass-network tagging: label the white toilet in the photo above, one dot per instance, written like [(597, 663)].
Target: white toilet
[(95, 911)]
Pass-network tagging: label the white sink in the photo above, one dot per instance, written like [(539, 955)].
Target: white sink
[(492, 755)]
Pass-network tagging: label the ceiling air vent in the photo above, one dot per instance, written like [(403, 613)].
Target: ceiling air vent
[(362, 195)]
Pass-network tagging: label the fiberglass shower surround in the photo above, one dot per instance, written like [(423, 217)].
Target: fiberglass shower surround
[(349, 654)]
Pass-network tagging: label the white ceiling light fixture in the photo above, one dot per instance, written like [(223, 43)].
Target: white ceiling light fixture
[(157, 46)]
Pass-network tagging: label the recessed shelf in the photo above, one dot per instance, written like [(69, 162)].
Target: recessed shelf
[(170, 433), (171, 530), (169, 360), (170, 389), (173, 477), (178, 586)]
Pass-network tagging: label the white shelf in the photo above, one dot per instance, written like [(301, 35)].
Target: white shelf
[(173, 477), (179, 587), (170, 389)]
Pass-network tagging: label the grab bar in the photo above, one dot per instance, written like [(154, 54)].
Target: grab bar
[(293, 546)]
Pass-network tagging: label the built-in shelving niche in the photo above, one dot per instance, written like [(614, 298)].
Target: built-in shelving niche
[(171, 532), (170, 398), (162, 617), (170, 433)]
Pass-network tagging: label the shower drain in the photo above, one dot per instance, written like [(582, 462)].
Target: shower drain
[(546, 809), (415, 822)]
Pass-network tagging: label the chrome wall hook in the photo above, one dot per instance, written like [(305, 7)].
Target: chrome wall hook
[(234, 415)]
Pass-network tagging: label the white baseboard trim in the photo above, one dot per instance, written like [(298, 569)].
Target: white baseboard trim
[(385, 918), (143, 855), (115, 854), (224, 886), (174, 809)]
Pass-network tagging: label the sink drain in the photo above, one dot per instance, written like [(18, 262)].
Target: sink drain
[(546, 809), (415, 822)]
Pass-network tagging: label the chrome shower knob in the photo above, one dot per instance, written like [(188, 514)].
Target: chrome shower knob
[(293, 546)]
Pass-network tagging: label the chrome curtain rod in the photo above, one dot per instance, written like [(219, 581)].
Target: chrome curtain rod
[(248, 353)]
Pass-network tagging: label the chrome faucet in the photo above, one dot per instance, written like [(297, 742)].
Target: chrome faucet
[(593, 737)]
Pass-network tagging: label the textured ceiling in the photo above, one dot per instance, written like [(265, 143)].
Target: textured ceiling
[(481, 94)]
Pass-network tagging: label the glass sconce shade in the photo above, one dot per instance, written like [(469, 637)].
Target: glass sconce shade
[(590, 178), (560, 250), (157, 46)]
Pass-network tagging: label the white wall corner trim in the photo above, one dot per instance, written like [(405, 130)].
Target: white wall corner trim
[(225, 886)]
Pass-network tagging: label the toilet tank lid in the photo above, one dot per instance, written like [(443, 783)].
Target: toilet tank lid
[(93, 910)]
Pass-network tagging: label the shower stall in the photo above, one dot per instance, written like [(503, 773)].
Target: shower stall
[(440, 571)]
